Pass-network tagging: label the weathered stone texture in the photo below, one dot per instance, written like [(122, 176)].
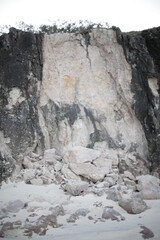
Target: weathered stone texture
[(20, 76), (142, 51), (86, 96), (97, 90)]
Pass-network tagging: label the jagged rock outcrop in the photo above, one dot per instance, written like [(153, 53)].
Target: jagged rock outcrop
[(97, 90)]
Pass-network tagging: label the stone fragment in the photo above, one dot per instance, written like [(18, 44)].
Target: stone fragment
[(46, 173), (129, 175), (58, 178), (88, 170), (14, 206), (50, 156), (34, 155), (129, 183), (58, 210), (36, 181), (75, 187), (58, 166), (102, 185), (149, 187), (112, 156), (146, 232), (113, 194), (72, 218), (80, 212), (110, 213), (28, 174), (27, 163), (104, 164), (80, 154), (41, 225), (133, 205), (68, 174), (111, 181), (46, 180)]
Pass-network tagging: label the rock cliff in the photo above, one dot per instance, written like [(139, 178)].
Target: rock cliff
[(97, 89)]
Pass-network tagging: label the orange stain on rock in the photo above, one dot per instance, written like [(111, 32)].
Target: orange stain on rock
[(68, 81)]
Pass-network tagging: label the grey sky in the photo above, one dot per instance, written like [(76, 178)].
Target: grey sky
[(126, 14)]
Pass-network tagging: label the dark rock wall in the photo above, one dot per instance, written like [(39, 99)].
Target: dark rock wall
[(142, 51), (21, 70)]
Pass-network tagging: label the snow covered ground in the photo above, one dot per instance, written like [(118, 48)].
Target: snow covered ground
[(47, 212)]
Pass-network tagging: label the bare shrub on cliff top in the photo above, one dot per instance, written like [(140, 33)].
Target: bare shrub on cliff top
[(81, 27)]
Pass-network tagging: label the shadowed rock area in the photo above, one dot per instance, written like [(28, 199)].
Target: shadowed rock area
[(142, 53), (20, 79)]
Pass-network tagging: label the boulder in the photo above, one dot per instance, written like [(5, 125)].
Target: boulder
[(88, 170), (58, 166), (129, 183), (80, 154), (68, 174), (46, 173), (149, 187), (14, 206), (111, 181), (36, 181), (75, 187), (146, 232), (113, 194), (111, 155), (133, 205), (104, 164), (50, 156), (110, 213), (129, 175), (28, 174)]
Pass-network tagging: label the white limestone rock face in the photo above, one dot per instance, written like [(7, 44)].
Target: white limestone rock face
[(85, 97)]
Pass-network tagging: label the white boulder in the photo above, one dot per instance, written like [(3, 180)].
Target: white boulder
[(75, 187), (149, 187), (88, 170), (81, 154), (68, 174)]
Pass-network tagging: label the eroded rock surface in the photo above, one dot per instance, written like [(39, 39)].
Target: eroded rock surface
[(98, 90)]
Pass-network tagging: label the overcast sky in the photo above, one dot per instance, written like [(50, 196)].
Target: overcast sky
[(127, 14)]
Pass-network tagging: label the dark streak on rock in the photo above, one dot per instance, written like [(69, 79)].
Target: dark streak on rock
[(20, 67), (142, 52)]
